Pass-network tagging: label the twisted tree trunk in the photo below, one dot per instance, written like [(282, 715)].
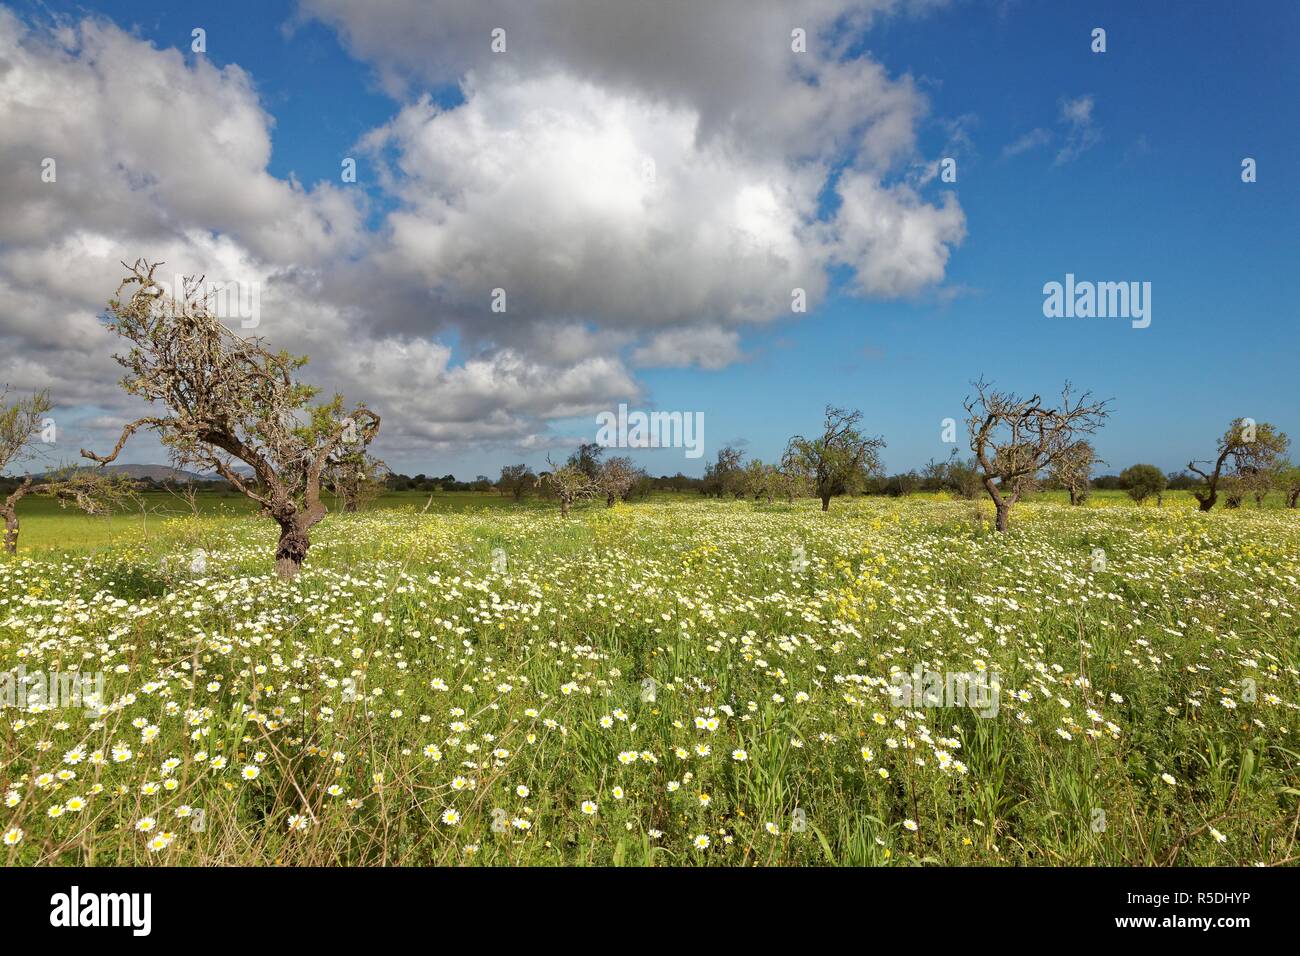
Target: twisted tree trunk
[(291, 549), (9, 511)]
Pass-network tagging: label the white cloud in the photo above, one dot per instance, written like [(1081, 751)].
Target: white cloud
[(539, 183), (1032, 140), (896, 243), (1081, 133), (709, 347)]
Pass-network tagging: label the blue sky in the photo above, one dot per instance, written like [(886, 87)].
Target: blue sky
[(1149, 191)]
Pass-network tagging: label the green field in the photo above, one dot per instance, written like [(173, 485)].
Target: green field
[(46, 525), (677, 681)]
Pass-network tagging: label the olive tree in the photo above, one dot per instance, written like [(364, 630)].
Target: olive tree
[(1143, 481), (1247, 448), (1014, 439), (838, 461), (222, 399)]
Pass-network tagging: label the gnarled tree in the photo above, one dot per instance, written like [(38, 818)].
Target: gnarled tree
[(569, 483), (1247, 448), (20, 422), (1072, 471), (224, 399), (1014, 439), (726, 475), (355, 477), (616, 477), (839, 461), (1288, 481)]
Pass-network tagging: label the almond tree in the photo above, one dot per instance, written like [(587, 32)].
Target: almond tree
[(569, 483), (1073, 470), (616, 478), (1014, 439), (222, 399), (20, 422), (1288, 482), (725, 476), (1246, 448), (759, 480), (355, 477), (516, 480), (789, 478), (840, 460)]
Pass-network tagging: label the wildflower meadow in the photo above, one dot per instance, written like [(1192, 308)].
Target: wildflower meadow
[(677, 681)]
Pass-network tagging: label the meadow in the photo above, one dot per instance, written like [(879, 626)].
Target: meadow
[(678, 681)]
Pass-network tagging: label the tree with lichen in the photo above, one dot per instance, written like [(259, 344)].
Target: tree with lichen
[(840, 460), (1072, 470), (1015, 439), (1246, 450), (570, 484), (355, 477), (615, 478), (222, 399)]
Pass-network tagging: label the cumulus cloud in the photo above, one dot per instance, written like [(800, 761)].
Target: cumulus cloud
[(895, 243), (579, 202), (644, 182)]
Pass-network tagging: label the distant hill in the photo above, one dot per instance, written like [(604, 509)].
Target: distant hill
[(151, 472)]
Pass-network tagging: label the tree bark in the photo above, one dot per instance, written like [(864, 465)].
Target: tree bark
[(11, 529), (291, 550), (9, 509), (826, 502)]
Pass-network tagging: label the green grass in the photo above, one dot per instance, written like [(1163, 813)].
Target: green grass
[(46, 525), (1147, 714)]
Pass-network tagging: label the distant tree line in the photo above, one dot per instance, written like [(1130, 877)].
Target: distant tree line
[(231, 407)]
